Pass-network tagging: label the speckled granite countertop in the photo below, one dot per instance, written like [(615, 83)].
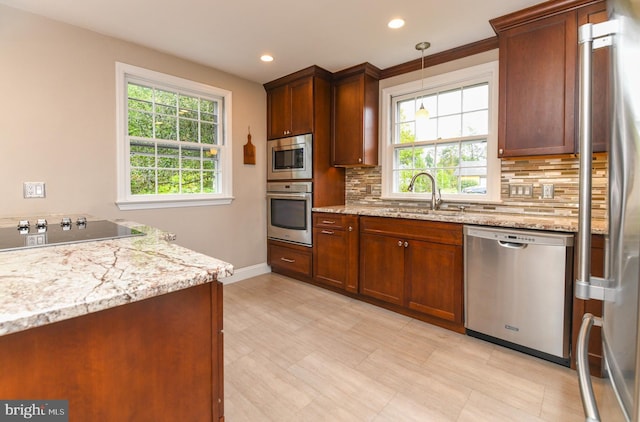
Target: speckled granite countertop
[(49, 284), (519, 221)]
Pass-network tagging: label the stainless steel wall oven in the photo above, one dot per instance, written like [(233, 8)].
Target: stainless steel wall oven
[(289, 212)]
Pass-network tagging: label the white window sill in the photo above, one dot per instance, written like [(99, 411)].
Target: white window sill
[(145, 204)]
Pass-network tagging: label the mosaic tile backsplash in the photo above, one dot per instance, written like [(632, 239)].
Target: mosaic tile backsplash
[(561, 171)]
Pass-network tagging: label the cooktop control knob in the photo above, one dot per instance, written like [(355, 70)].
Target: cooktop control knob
[(41, 225), (81, 222), (23, 226), (66, 223)]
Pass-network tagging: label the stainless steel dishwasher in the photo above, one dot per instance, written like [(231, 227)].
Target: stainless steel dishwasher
[(518, 289)]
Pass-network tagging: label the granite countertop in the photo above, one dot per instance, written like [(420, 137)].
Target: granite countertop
[(49, 284), (518, 221)]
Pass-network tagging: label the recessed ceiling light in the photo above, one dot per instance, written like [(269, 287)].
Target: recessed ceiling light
[(266, 58), (396, 23)]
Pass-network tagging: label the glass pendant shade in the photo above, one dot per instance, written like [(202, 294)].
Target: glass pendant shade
[(422, 113)]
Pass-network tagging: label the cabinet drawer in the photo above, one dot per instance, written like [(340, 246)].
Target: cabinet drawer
[(290, 260), (330, 221), (432, 231)]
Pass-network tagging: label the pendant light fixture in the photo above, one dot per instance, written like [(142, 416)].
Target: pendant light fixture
[(422, 113)]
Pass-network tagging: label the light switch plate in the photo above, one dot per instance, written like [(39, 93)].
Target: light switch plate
[(520, 190)]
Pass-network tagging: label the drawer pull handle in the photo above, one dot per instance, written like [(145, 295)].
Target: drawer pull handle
[(327, 232), (328, 222), (288, 260)]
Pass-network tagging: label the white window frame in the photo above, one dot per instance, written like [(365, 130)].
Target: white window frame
[(127, 201), (487, 72)]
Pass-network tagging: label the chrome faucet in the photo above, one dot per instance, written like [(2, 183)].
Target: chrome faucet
[(435, 202)]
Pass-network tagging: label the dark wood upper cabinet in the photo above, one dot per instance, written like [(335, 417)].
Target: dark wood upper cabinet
[(537, 87), (290, 108), (354, 123), (538, 100)]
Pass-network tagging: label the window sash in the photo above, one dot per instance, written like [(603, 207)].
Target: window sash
[(188, 164), (463, 174)]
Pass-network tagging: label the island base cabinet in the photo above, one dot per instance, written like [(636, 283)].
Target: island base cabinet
[(159, 359)]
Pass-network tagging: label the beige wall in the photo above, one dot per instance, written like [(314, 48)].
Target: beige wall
[(57, 114)]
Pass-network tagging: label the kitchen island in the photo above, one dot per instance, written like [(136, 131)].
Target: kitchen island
[(124, 329)]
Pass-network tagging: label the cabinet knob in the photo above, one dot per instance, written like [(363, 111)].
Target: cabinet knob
[(350, 228), (500, 151), (406, 244), (359, 160), (400, 243)]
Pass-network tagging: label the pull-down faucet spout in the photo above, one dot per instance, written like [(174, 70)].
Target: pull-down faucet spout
[(435, 202)]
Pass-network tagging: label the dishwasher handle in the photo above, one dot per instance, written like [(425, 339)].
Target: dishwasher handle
[(512, 245)]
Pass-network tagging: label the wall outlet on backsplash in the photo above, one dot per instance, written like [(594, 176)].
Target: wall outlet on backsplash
[(547, 191), (520, 190)]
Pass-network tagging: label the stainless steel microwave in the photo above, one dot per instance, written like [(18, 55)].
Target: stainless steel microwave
[(290, 158)]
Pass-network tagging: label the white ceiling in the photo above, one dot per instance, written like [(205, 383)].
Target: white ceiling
[(231, 35)]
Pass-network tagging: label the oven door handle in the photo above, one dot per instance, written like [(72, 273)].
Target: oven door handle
[(288, 195)]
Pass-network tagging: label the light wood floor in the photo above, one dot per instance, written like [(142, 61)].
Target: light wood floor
[(296, 352)]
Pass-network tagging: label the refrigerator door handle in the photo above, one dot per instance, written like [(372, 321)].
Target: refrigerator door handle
[(584, 374), (586, 286)]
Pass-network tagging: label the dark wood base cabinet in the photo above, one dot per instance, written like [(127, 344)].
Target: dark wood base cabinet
[(290, 259), (414, 266), (159, 359), (580, 307), (335, 252)]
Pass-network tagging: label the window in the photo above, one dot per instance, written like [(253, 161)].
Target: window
[(456, 142), (172, 141)]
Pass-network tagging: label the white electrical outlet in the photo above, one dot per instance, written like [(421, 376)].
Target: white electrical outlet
[(547, 191), (33, 190)]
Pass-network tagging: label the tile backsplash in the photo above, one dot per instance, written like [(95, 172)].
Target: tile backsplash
[(364, 186)]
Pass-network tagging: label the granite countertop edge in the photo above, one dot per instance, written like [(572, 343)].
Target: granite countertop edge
[(45, 285), (516, 221)]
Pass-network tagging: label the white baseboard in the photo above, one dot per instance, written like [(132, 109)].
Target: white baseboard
[(247, 272)]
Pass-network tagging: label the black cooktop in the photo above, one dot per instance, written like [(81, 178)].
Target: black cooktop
[(39, 235)]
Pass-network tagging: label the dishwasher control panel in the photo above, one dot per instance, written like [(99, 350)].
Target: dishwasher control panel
[(520, 236)]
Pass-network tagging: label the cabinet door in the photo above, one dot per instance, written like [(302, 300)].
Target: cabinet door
[(348, 95), (301, 106), (330, 259), (382, 268), (601, 104), (278, 120), (537, 87), (433, 273)]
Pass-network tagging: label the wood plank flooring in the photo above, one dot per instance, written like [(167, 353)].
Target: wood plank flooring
[(296, 352)]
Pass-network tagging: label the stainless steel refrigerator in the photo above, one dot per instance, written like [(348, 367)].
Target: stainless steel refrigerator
[(619, 287)]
